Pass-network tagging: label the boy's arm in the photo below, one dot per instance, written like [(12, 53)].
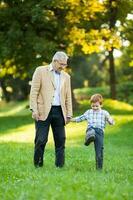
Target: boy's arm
[(109, 119), (80, 118)]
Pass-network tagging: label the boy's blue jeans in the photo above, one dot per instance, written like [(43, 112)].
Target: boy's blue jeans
[(98, 144)]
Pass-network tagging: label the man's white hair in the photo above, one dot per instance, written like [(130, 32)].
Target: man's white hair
[(60, 55)]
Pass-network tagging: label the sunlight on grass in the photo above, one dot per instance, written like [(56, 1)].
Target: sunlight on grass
[(113, 106), (118, 105), (119, 120), (22, 134), (26, 133), (13, 108)]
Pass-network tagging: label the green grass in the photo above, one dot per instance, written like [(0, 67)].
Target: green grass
[(78, 179)]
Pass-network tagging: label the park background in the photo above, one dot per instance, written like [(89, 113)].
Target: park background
[(97, 36)]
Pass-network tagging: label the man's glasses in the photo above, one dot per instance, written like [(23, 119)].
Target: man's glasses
[(62, 64)]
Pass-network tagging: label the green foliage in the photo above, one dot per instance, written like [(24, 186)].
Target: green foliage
[(85, 93), (88, 69), (92, 25), (27, 38), (124, 92), (113, 106), (31, 32), (27, 32)]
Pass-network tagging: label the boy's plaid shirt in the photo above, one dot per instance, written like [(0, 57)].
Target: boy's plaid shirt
[(95, 119)]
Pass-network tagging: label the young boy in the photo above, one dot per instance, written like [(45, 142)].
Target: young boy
[(96, 118)]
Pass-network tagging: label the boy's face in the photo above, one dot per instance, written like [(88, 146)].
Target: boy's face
[(96, 106)]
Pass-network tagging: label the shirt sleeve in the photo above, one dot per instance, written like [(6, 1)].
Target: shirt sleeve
[(82, 117), (108, 118)]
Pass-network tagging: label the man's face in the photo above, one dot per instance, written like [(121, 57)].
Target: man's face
[(96, 106), (59, 65)]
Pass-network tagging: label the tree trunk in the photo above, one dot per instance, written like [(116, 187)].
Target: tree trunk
[(74, 102), (5, 93), (112, 21), (112, 75)]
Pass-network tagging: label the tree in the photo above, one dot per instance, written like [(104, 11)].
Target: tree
[(31, 31), (92, 28)]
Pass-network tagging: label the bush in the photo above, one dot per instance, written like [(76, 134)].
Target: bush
[(85, 93), (124, 92)]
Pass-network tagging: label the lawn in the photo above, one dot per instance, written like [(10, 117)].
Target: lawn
[(78, 180)]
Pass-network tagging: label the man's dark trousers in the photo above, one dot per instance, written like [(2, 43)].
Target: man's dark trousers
[(98, 144), (56, 120)]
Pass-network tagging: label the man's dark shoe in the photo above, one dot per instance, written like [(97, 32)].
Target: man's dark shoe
[(59, 166), (39, 164), (36, 166)]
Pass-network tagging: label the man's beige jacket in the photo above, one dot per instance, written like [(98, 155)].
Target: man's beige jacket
[(42, 92)]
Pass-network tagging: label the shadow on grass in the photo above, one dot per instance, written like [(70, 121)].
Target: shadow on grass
[(14, 108), (12, 122)]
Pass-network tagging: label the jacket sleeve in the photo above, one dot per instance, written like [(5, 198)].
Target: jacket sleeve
[(68, 101), (35, 87)]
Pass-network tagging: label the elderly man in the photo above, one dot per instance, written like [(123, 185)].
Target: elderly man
[(51, 104)]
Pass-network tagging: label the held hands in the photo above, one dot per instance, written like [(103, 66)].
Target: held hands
[(36, 117), (70, 120)]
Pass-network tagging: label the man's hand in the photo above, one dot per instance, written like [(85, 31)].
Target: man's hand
[(35, 116), (68, 120)]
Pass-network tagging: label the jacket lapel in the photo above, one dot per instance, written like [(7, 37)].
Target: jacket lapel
[(52, 79), (51, 75), (62, 78)]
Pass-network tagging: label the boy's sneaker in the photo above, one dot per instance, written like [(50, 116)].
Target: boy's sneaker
[(90, 136)]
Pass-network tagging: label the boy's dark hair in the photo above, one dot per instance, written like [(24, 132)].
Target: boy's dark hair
[(96, 98)]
